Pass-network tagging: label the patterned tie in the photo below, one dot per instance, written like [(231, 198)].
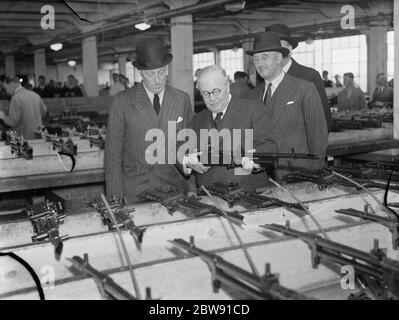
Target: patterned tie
[(218, 119), (157, 105), (268, 95)]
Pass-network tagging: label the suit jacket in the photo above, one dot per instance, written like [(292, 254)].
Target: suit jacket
[(299, 71), (240, 114), (385, 97), (298, 122), (356, 101), (25, 112), (127, 169)]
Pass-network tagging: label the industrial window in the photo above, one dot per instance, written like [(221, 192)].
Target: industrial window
[(232, 61), (390, 62), (201, 60), (337, 56)]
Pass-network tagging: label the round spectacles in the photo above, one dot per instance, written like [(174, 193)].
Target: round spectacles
[(216, 92)]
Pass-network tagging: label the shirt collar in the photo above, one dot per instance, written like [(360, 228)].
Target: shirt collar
[(224, 110), (287, 66), (276, 81), (18, 89), (151, 94)]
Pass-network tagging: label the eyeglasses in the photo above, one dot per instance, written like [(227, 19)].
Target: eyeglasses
[(216, 92)]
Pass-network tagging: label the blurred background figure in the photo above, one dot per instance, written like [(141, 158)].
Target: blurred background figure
[(124, 81), (383, 94), (42, 89), (327, 83), (240, 88), (72, 89), (116, 85), (352, 97), (338, 83)]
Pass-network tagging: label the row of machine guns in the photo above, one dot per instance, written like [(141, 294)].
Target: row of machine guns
[(378, 274)]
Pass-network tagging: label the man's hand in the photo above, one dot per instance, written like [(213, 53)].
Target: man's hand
[(192, 162), (2, 115), (247, 163)]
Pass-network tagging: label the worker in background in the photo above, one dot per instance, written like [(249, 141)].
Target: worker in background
[(293, 68), (383, 94), (26, 109), (146, 107), (72, 89), (240, 88), (124, 81), (42, 89), (117, 86), (327, 82), (352, 97), (338, 83), (225, 111), (292, 103)]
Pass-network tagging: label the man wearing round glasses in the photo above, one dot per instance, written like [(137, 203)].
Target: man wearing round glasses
[(236, 122)]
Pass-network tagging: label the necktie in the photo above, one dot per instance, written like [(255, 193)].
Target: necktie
[(380, 91), (157, 105), (218, 119), (268, 95)]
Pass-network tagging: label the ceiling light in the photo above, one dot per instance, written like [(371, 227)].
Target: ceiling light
[(142, 26), (71, 63), (56, 46)]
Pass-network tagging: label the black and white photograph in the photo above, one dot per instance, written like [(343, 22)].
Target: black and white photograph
[(199, 154)]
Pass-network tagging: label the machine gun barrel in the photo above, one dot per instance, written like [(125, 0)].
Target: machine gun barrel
[(373, 268), (106, 284), (230, 275)]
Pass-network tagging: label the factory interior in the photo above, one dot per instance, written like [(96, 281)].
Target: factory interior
[(199, 150)]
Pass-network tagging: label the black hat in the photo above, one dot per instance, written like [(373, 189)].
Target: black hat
[(284, 32), (151, 54), (268, 41)]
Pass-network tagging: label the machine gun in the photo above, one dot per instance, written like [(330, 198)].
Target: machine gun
[(376, 270), (232, 193), (227, 274), (45, 219), (98, 142), (108, 288), (325, 179), (59, 145), (20, 147), (187, 204), (391, 224), (122, 215), (263, 159)]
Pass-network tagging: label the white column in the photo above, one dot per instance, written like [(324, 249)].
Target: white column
[(122, 64), (90, 65), (40, 63), (396, 74), (376, 54), (9, 66), (249, 66)]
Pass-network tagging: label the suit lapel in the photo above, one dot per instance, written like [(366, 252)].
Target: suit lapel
[(169, 109), (144, 106), (277, 103), (230, 117)]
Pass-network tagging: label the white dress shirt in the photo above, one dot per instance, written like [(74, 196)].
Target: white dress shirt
[(275, 83), (151, 95)]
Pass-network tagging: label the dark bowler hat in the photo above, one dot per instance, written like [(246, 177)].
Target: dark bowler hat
[(151, 54), (268, 41), (284, 32)]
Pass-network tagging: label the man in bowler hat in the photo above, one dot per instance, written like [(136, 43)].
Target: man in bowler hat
[(293, 105), (293, 68), (134, 112)]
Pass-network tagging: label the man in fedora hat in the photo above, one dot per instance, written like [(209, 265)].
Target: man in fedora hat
[(146, 107), (293, 104), (293, 68)]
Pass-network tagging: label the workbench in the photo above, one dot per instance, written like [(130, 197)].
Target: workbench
[(170, 272)]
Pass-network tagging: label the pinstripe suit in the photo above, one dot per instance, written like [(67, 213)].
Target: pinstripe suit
[(298, 121), (127, 172)]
